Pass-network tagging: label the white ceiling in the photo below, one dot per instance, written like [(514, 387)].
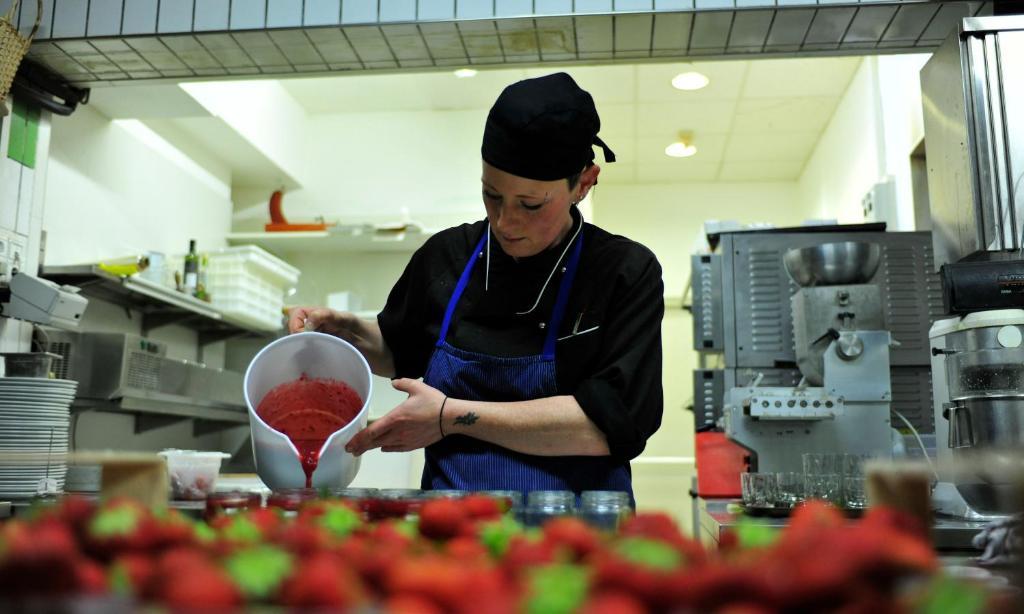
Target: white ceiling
[(757, 120)]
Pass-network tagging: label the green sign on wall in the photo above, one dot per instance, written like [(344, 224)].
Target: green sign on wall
[(24, 134)]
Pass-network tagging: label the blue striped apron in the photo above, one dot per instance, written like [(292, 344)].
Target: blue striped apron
[(464, 463)]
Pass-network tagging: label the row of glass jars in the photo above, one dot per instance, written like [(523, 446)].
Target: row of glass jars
[(600, 508)]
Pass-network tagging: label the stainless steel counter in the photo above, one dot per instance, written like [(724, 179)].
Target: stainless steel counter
[(713, 518)]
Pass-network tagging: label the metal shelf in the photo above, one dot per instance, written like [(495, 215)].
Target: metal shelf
[(159, 305), (332, 241)]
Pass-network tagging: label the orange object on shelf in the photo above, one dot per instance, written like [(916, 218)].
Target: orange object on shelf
[(278, 223)]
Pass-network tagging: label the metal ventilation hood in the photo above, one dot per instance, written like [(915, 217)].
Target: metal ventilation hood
[(131, 374), (144, 39)]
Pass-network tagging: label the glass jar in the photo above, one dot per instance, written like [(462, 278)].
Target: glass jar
[(605, 509), (543, 505), (393, 503), (443, 494), (511, 500), (289, 500), (232, 502)]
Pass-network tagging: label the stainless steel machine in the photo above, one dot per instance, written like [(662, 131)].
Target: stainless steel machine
[(973, 97), (842, 350), (804, 319)]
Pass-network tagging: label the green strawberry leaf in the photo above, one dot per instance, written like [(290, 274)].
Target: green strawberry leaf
[(114, 521), (648, 553), (204, 532), (258, 572), (752, 534), (496, 535), (949, 596), (340, 520), (557, 589), (120, 582), (408, 527), (242, 529)]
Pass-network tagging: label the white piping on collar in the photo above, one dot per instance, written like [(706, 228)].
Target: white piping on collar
[(487, 274)]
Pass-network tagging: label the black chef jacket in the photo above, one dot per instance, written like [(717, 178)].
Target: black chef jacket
[(608, 355)]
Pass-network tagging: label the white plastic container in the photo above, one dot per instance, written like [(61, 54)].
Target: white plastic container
[(316, 355), (193, 473), (247, 283)]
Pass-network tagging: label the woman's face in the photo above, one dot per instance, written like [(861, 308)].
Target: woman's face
[(529, 216)]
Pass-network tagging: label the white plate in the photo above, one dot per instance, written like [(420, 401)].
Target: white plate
[(34, 381)]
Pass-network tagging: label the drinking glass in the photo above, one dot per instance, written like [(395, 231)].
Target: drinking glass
[(790, 489), (759, 489), (825, 486)]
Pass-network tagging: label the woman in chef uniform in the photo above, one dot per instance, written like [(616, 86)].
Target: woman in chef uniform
[(537, 335)]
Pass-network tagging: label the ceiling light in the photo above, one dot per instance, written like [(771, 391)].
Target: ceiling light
[(683, 148), (465, 73), (691, 80)]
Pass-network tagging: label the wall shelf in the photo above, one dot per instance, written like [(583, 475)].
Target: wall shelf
[(334, 241), (159, 305)]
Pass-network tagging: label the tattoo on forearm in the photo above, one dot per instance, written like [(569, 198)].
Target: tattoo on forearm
[(468, 419)]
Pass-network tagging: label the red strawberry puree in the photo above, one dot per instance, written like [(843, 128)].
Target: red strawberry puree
[(308, 411)]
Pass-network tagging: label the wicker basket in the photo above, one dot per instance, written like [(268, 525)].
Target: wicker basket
[(13, 45)]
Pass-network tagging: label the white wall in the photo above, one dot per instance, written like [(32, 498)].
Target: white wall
[(667, 217), (115, 189), (870, 138)]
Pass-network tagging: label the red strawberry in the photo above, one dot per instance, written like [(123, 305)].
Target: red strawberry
[(121, 526), (75, 511), (201, 587), (466, 549), (660, 526), (411, 604), (717, 585), (37, 559), (482, 507), (442, 519), (90, 578), (131, 574), (322, 581), (302, 539), (612, 602), (573, 534), (443, 581), (523, 554)]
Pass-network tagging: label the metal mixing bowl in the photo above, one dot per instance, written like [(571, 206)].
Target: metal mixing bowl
[(830, 264)]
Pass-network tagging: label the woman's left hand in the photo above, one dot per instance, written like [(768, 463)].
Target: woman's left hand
[(412, 425)]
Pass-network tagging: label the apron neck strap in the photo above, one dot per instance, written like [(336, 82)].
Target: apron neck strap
[(557, 313), (461, 287)]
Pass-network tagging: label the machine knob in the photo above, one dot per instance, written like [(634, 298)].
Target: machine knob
[(849, 346)]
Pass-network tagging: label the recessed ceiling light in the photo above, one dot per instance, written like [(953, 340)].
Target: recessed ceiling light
[(683, 148), (691, 80), (465, 73), (680, 150)]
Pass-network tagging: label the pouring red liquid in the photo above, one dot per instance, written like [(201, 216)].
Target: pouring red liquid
[(308, 411)]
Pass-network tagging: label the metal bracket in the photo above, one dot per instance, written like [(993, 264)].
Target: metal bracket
[(206, 427), (148, 422), (151, 321)]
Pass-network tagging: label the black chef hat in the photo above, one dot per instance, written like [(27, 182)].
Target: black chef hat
[(543, 129)]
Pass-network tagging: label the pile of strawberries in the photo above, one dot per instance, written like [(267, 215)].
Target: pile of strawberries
[(464, 555)]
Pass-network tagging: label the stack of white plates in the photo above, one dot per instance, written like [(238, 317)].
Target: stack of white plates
[(34, 418)]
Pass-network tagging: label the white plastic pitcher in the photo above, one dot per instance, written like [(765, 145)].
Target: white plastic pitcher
[(285, 360)]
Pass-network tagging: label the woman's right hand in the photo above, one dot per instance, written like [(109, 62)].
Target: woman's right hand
[(321, 319), (365, 335)]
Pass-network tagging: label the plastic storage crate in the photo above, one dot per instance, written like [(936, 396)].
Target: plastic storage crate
[(249, 284)]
